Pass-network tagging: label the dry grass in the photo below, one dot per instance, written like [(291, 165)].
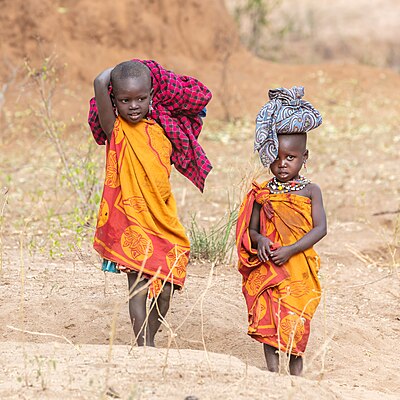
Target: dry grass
[(38, 201)]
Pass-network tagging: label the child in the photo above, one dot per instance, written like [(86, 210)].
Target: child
[(279, 222), (138, 230)]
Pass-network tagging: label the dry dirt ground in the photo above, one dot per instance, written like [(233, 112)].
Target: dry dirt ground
[(68, 308), (64, 326)]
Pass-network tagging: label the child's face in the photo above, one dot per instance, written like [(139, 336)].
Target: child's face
[(132, 98), (292, 153)]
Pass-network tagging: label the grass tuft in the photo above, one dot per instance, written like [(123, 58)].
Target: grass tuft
[(216, 243)]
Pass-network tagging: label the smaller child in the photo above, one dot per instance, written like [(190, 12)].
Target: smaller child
[(279, 222)]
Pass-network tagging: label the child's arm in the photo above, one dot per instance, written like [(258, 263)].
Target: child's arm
[(103, 101), (258, 241), (282, 254)]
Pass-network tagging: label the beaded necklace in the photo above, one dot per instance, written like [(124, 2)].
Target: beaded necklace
[(284, 187)]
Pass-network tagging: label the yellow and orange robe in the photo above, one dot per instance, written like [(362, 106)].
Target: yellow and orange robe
[(138, 226), (281, 301)]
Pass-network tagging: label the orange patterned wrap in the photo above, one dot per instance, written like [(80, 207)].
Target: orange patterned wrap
[(138, 226), (281, 301)]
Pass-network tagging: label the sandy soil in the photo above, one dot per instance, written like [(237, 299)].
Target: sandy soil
[(71, 307), (64, 327)]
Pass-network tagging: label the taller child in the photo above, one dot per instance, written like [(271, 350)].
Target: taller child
[(138, 230)]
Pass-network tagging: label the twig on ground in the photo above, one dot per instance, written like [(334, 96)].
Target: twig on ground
[(364, 258), (370, 282), (44, 334), (3, 202), (386, 212)]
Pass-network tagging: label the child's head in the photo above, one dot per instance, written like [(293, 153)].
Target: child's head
[(285, 114), (292, 154), (132, 90)]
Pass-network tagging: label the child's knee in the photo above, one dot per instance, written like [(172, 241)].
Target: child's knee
[(166, 293)]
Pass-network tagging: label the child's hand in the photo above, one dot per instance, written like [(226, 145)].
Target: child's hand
[(263, 248), (281, 255)]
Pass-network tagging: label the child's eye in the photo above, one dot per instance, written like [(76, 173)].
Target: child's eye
[(124, 101), (290, 158)]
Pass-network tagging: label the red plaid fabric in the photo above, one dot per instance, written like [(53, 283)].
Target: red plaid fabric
[(177, 102)]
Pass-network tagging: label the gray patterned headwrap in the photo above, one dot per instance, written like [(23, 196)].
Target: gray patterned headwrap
[(287, 113)]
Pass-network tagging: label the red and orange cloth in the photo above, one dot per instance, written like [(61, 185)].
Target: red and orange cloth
[(281, 301), (178, 103), (138, 226)]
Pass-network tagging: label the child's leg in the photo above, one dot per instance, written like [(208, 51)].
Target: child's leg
[(296, 365), (272, 358), (159, 307), (138, 310)]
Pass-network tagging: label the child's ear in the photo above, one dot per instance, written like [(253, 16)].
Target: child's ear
[(305, 155)]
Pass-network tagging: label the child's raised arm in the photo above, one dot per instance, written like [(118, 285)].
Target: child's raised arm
[(282, 254), (103, 101)]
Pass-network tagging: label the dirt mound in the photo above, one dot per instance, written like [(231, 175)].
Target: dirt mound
[(194, 37), (88, 37), (61, 371)]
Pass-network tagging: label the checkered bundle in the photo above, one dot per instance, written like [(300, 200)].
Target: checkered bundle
[(178, 102)]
